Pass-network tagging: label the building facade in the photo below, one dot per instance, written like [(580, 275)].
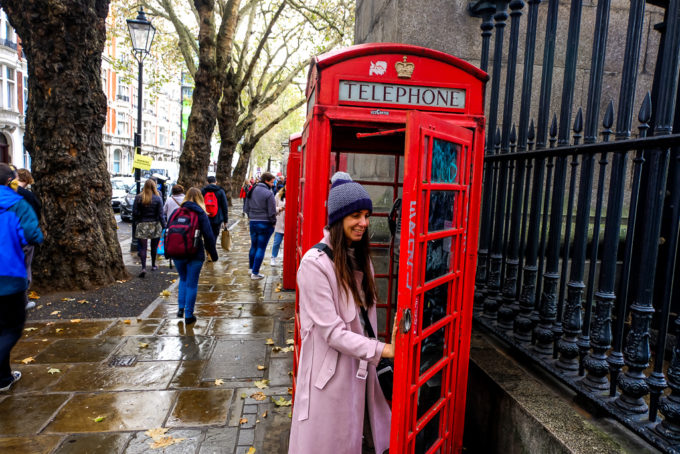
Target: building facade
[(13, 96)]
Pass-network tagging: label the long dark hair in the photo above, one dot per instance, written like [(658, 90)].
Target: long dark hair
[(344, 270)]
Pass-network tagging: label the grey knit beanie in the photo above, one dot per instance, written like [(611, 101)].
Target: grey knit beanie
[(346, 197)]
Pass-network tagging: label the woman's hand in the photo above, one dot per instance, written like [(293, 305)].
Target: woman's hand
[(390, 349)]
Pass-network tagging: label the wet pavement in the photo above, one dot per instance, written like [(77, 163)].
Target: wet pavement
[(152, 384)]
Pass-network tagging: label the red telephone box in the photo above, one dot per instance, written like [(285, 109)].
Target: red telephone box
[(292, 193), (407, 123)]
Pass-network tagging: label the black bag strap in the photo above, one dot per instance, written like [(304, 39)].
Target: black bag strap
[(367, 323)]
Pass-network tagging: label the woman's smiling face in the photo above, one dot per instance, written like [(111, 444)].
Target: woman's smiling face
[(354, 225)]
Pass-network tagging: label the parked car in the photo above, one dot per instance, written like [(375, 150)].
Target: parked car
[(126, 204), (118, 191)]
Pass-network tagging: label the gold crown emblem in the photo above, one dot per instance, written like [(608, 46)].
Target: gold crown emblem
[(404, 68)]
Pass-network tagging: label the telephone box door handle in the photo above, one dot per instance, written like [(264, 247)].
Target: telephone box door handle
[(405, 323)]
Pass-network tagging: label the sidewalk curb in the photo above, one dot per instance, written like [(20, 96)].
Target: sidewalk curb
[(155, 303)]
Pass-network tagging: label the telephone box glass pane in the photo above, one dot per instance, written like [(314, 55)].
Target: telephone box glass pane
[(379, 230), (428, 436), (442, 208), (368, 167), (438, 259), (382, 197), (444, 161), (381, 260), (429, 393), (432, 349), (381, 286), (435, 304)]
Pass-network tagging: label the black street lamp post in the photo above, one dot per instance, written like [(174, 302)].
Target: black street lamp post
[(142, 33)]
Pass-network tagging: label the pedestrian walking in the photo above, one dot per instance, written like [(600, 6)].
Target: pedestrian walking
[(244, 189), (280, 221), (173, 202), (25, 179), (147, 215), (189, 224), (18, 227), (339, 405), (216, 206), (261, 210)]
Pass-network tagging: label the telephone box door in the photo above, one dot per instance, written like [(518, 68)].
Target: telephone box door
[(430, 374)]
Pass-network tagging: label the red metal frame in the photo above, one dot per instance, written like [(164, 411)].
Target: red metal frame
[(292, 203), (341, 133)]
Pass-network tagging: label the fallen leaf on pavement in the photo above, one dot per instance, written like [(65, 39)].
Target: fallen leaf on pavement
[(156, 433), (276, 349), (262, 384), (99, 418), (160, 440), (55, 312), (143, 344), (173, 281), (83, 301), (260, 367), (277, 290), (259, 396), (264, 415), (290, 391), (281, 402), (290, 341), (30, 359), (244, 395), (282, 308), (127, 322), (58, 330), (251, 450), (75, 320), (243, 420), (288, 349), (165, 293), (30, 329), (269, 341), (219, 382), (53, 371), (32, 295), (68, 299)]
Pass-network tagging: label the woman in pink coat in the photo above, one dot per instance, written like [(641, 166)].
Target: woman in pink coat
[(338, 399)]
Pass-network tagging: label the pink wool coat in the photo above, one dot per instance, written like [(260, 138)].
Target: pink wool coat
[(328, 414)]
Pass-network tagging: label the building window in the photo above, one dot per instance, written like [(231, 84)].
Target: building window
[(27, 159), (122, 125), (116, 161), (11, 87), (162, 140), (148, 132), (25, 94)]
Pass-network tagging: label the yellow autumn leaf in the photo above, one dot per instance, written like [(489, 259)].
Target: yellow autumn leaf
[(32, 295), (290, 341), (262, 384), (165, 442), (264, 415), (99, 418), (288, 349), (276, 290), (165, 293), (243, 420), (143, 344), (244, 395), (269, 341), (251, 450), (219, 382), (83, 301), (58, 330), (30, 359), (260, 367), (53, 371), (259, 396), (173, 281), (156, 433), (281, 402), (68, 299), (75, 320), (54, 312), (127, 322), (30, 329)]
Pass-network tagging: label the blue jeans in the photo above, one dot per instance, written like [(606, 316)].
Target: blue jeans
[(278, 239), (11, 329), (260, 232), (188, 271)]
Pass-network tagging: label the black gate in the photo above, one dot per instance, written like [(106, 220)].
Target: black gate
[(579, 232)]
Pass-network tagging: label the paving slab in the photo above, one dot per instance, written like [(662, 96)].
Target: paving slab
[(78, 350), (110, 443), (188, 374), (41, 444), (95, 377), (29, 412), (119, 411), (167, 348), (38, 378), (200, 407), (233, 359), (134, 327), (141, 443), (219, 441), (253, 327), (177, 327)]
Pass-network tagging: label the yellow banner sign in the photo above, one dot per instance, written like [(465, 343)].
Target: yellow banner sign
[(142, 162)]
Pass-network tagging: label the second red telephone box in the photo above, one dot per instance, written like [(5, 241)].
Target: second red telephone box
[(407, 123)]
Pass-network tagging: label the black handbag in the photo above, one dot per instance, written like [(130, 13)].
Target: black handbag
[(385, 368)]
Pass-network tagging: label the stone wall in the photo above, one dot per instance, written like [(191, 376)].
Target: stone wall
[(445, 25)]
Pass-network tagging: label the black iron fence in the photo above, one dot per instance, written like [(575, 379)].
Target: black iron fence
[(580, 222)]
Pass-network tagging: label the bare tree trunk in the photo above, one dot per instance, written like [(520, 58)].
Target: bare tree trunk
[(244, 159), (195, 157), (227, 119), (63, 41)]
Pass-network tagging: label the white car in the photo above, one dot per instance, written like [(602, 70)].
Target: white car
[(119, 189)]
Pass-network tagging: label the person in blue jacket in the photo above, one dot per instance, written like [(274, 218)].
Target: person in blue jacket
[(190, 269), (18, 227)]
